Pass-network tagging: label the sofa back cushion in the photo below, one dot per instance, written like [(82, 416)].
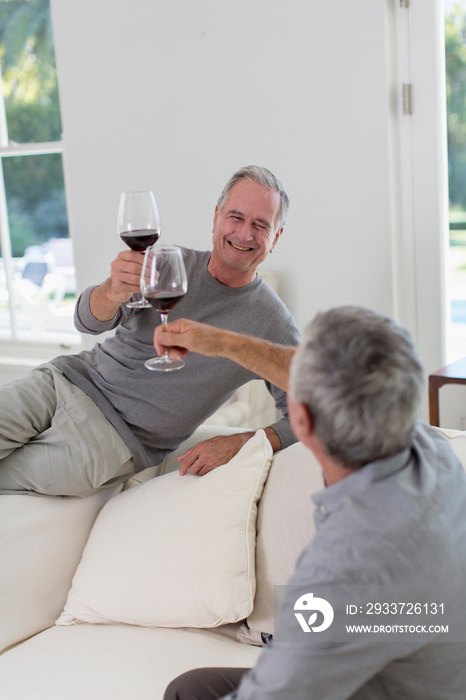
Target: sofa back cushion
[(457, 441), (285, 525)]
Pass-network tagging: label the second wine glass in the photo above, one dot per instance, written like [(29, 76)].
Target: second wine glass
[(163, 283), (138, 226)]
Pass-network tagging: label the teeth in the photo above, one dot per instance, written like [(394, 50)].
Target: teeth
[(238, 247)]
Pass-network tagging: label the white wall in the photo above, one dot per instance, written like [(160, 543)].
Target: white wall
[(174, 96)]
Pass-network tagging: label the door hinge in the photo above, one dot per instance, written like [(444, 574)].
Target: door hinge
[(404, 3), (407, 98)]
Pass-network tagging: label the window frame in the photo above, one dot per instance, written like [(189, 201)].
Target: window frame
[(18, 347), (420, 239)]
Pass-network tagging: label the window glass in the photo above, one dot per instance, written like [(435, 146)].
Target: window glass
[(37, 278), (35, 194), (455, 62), (29, 73)]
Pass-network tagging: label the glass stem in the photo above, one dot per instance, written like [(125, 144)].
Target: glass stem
[(163, 318)]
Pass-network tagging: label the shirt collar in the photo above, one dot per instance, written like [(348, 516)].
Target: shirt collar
[(330, 498)]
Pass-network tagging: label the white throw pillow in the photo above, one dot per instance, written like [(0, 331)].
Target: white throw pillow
[(176, 551)]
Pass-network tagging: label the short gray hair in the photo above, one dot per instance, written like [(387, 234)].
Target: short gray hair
[(359, 374), (261, 176)]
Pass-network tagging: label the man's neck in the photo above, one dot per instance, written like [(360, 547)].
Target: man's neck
[(230, 278), (332, 470)]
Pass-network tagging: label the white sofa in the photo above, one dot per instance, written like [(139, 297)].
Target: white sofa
[(42, 541)]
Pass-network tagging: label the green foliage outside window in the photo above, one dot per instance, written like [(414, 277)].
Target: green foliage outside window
[(30, 91), (34, 184), (455, 59)]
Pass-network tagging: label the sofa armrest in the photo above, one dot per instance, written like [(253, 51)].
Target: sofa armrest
[(41, 543), (251, 406)]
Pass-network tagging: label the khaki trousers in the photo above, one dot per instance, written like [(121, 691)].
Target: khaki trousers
[(54, 440)]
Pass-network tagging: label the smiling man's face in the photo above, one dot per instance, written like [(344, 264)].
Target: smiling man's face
[(244, 233)]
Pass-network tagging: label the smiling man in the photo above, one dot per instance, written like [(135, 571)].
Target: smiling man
[(248, 222), (89, 420)]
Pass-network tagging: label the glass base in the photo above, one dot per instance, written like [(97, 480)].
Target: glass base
[(164, 364), (140, 304)]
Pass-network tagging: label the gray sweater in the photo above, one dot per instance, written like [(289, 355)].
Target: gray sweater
[(155, 411)]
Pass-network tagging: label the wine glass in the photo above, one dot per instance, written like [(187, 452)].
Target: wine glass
[(163, 284), (138, 226)]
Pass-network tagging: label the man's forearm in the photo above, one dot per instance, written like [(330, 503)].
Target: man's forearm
[(270, 361)]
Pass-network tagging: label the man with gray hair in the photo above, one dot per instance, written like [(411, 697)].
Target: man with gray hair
[(86, 421), (390, 544), (360, 378), (264, 178)]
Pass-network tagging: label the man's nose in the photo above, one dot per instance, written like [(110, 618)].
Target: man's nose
[(245, 231)]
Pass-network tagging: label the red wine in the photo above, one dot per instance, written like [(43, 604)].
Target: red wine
[(140, 240), (163, 301)]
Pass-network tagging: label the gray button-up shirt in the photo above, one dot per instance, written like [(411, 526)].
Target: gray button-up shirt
[(396, 526)]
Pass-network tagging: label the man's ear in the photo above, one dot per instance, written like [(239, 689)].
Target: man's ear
[(277, 236), (215, 217), (303, 425)]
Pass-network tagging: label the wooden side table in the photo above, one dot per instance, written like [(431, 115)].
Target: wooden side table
[(451, 374)]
